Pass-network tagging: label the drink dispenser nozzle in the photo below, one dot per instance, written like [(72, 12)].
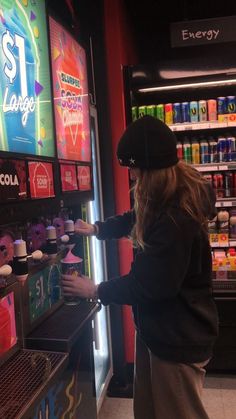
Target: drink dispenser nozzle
[(36, 255), (51, 237), (69, 237), (5, 270), (20, 259)]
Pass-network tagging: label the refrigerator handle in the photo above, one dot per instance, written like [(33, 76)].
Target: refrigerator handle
[(96, 338)]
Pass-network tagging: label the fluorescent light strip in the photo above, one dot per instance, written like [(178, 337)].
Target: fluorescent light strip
[(184, 86)]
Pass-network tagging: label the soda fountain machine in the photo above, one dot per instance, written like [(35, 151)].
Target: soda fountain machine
[(46, 345)]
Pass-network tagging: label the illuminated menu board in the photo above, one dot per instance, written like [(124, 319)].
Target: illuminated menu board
[(84, 178), (26, 123), (12, 180), (41, 180), (68, 177), (71, 101), (44, 290)]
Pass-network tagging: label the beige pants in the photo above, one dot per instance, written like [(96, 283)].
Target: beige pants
[(167, 390)]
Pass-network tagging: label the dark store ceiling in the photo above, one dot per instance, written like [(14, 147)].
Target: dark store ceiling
[(150, 20)]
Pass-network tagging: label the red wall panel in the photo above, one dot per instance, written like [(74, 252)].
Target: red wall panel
[(119, 51)]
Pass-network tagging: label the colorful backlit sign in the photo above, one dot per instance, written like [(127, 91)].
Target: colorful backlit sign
[(8, 336), (71, 100), (12, 180), (68, 177), (41, 180), (84, 178), (26, 124), (44, 290)]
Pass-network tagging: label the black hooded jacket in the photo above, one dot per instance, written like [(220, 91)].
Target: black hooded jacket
[(169, 286)]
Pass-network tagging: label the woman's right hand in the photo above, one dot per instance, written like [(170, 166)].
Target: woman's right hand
[(85, 229)]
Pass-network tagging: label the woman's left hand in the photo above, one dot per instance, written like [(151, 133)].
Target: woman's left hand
[(80, 286)]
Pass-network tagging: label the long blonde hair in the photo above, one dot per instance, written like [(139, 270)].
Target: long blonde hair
[(155, 189)]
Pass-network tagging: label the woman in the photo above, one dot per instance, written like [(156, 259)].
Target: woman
[(169, 284)]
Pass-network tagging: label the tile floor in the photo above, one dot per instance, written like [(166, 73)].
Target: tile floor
[(219, 398)]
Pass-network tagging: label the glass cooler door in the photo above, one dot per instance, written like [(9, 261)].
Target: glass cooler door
[(102, 339)]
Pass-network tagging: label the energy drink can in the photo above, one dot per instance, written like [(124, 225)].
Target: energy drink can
[(231, 104), (187, 151), (219, 185), (160, 113), (221, 148), (142, 111), (211, 107), (202, 110), (193, 111), (220, 181), (134, 113), (177, 113), (228, 149), (195, 152), (221, 105), (180, 152), (185, 111), (213, 156), (234, 181), (215, 181), (151, 110), (228, 184), (233, 148), (233, 143), (168, 113), (204, 151)]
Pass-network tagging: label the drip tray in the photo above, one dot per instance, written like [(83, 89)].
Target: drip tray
[(59, 331), (23, 378)]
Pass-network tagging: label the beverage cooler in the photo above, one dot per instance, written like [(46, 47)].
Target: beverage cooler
[(54, 352), (201, 111)]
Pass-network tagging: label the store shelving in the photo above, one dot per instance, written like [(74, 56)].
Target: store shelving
[(231, 243), (226, 202), (182, 127), (148, 86), (214, 167)]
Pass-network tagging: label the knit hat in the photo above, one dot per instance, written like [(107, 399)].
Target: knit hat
[(147, 143)]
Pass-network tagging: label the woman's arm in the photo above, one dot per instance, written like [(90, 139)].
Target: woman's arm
[(112, 228)]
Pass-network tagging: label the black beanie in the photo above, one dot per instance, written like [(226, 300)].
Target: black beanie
[(147, 143)]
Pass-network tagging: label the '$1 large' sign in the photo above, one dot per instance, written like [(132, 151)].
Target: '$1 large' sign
[(22, 102)]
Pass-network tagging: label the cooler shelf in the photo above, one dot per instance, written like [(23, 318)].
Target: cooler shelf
[(202, 126), (226, 202), (214, 167)]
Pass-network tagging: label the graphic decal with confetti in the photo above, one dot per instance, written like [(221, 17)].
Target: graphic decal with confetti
[(71, 101), (8, 336), (26, 124)]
